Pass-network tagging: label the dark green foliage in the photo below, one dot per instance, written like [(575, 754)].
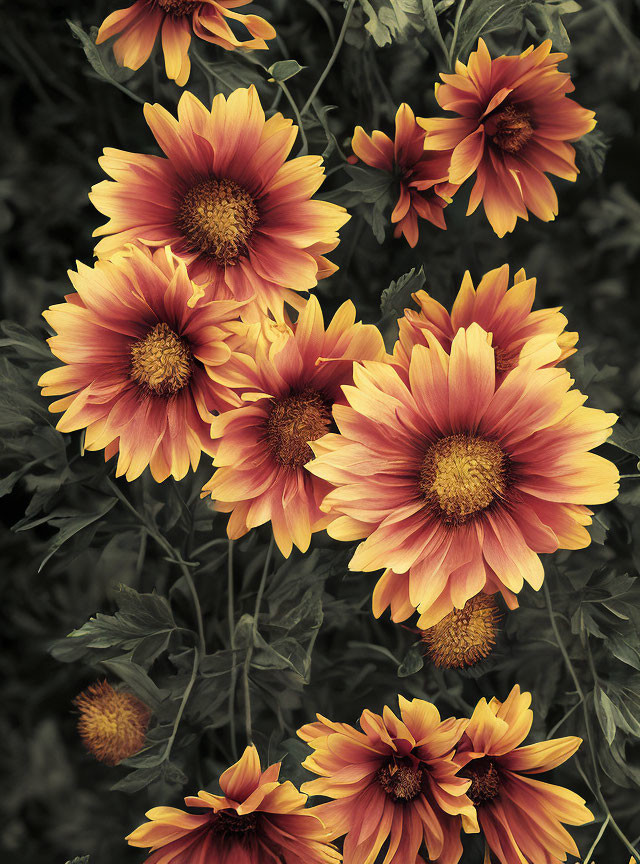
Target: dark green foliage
[(99, 577)]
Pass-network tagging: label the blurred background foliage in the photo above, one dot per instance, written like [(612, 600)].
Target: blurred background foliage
[(116, 564)]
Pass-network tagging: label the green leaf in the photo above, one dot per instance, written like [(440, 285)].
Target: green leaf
[(412, 663), (397, 297), (138, 680), (284, 69), (591, 152), (84, 859), (605, 711), (100, 57)]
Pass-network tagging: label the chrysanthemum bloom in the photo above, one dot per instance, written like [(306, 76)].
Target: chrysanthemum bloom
[(291, 384), (144, 363), (256, 820), (518, 333), (225, 199), (113, 723), (464, 636), (456, 484), (138, 25), (423, 176), (514, 127), (521, 817), (396, 780)]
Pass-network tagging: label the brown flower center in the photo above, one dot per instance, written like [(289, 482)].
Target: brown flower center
[(485, 780), (402, 782), (464, 636), (217, 218), (461, 475), (178, 8), (295, 420), (161, 362), (230, 822), (511, 128)]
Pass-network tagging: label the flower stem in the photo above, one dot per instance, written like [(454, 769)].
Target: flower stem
[(254, 633), (332, 59), (232, 643)]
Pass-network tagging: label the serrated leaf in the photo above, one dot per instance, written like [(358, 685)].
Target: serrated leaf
[(101, 59), (397, 297)]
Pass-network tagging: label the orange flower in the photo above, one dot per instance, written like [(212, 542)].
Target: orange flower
[(395, 780), (257, 819), (515, 124), (225, 199), (143, 362), (518, 333), (521, 818), (293, 380), (423, 175), (456, 484), (113, 723), (137, 27)]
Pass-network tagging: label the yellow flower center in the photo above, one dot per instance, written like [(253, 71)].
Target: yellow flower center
[(178, 8), (217, 218), (161, 362), (462, 475), (511, 128), (464, 636), (485, 780), (402, 782), (295, 420), (112, 724)]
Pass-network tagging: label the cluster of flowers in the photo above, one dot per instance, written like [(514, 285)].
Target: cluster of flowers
[(398, 784)]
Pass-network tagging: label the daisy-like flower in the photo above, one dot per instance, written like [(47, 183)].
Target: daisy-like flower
[(113, 723), (142, 362), (291, 384), (225, 199), (257, 819), (456, 484), (518, 333), (514, 126), (423, 176), (138, 25), (395, 780), (521, 817)]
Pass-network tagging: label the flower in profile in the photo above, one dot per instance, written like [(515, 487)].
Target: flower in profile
[(144, 362), (456, 484), (394, 781), (464, 636), (226, 200), (138, 25), (113, 723), (521, 817), (518, 333), (423, 175), (256, 819), (514, 126), (292, 381)]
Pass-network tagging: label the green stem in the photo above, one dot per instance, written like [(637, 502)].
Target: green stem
[(603, 828), (332, 59), (183, 704), (254, 634), (232, 642), (630, 476), (454, 38)]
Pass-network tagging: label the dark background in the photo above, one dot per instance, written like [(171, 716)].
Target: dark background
[(57, 115)]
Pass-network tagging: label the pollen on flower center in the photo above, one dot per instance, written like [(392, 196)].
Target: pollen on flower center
[(113, 724), (462, 475), (510, 128), (485, 780), (161, 362), (295, 420), (401, 782), (230, 822), (217, 218), (178, 8), (464, 636)]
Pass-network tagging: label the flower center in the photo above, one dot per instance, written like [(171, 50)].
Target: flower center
[(464, 636), (506, 360), (403, 782), (161, 362), (485, 780), (178, 8), (511, 128), (113, 723), (461, 475), (230, 822), (294, 421), (217, 218)]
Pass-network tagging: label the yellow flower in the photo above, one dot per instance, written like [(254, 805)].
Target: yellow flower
[(113, 723)]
